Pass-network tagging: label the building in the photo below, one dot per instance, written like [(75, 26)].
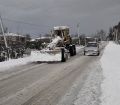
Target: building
[(13, 39), (39, 43), (116, 32)]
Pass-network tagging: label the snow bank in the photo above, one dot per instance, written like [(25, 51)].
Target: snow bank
[(90, 92), (37, 56), (13, 62), (111, 70)]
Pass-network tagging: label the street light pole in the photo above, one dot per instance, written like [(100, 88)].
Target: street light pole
[(2, 29), (51, 35), (78, 32), (116, 34)]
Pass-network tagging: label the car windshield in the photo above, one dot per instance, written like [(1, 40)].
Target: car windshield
[(92, 45)]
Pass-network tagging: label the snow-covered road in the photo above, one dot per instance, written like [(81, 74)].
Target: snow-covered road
[(75, 82), (52, 84), (86, 90)]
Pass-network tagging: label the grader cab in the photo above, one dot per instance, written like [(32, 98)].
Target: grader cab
[(61, 44), (63, 32)]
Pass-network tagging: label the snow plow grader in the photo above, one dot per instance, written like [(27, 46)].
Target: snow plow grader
[(61, 44)]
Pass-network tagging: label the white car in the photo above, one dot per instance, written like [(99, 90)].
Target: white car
[(92, 48)]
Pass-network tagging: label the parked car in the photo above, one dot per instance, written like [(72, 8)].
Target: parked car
[(92, 48)]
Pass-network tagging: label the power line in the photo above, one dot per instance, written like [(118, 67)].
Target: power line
[(21, 22)]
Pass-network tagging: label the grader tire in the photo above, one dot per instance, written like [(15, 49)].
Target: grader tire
[(71, 50), (74, 49), (63, 59)]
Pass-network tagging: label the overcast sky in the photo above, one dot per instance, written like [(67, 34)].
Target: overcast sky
[(92, 15)]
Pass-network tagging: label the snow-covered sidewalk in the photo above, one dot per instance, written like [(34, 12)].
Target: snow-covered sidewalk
[(110, 62)]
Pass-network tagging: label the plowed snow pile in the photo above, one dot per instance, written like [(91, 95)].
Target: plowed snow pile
[(111, 70), (35, 56)]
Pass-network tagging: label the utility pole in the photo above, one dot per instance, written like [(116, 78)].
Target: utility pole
[(51, 35), (2, 29), (116, 35), (78, 32)]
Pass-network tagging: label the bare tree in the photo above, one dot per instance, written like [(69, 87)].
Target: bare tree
[(28, 37), (101, 34)]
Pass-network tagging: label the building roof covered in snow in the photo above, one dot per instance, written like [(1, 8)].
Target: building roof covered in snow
[(13, 34)]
